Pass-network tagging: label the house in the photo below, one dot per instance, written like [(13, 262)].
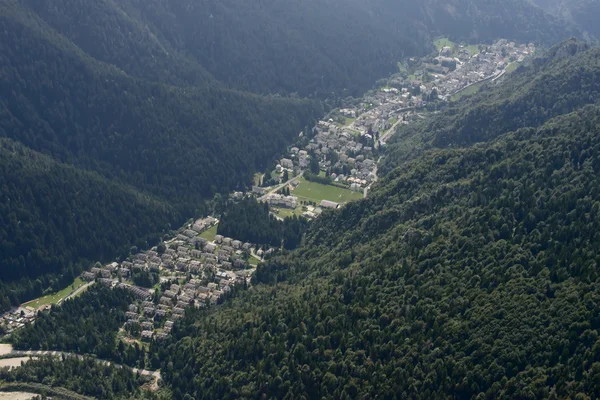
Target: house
[(239, 263), (131, 315), (147, 326), (165, 301), (328, 204), (169, 293), (161, 336), (236, 244), (247, 246), (227, 241), (161, 313), (154, 267), (147, 335), (226, 264), (283, 201), (286, 163), (182, 304), (136, 290), (178, 311), (190, 233), (105, 281), (210, 248), (149, 311), (88, 276)]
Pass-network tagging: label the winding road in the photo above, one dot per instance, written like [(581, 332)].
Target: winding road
[(275, 189), (7, 352)]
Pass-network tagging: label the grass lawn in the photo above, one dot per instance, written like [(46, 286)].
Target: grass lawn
[(443, 42), (54, 298), (473, 49), (512, 66), (286, 212), (257, 178), (210, 233), (316, 192), (349, 120), (468, 91), (253, 260)]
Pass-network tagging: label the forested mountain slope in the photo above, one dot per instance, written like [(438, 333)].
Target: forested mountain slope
[(583, 13), (179, 143), (313, 47), (120, 138), (56, 220), (560, 81), (484, 20), (469, 273)]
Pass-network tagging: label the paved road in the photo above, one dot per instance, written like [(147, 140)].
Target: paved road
[(7, 351), (280, 186), (253, 253), (390, 131), (77, 291)]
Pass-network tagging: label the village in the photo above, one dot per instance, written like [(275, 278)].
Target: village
[(346, 145), (334, 164), (193, 271)]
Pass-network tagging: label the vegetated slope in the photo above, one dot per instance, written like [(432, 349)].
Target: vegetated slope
[(484, 20), (273, 46), (250, 221), (179, 143), (583, 13), (467, 273), (86, 376), (316, 48), (55, 220), (175, 145), (105, 31), (563, 79)]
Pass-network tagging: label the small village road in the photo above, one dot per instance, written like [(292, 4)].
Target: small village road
[(280, 186), (7, 352), (77, 291)]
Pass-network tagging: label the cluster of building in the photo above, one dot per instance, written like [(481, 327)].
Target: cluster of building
[(199, 272), (16, 319), (490, 63)]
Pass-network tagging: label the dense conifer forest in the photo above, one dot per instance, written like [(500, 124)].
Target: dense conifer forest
[(468, 273), (95, 160), (250, 221), (85, 376)]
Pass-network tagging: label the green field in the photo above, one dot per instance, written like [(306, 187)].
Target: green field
[(286, 212), (443, 42), (210, 233), (349, 120), (253, 260), (512, 66), (54, 298), (473, 49), (468, 91), (257, 178), (313, 191)]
